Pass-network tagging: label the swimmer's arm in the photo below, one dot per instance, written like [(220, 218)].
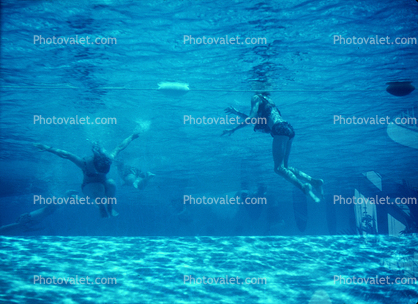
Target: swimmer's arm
[(253, 114), (61, 153), (123, 145), (41, 213), (232, 110)]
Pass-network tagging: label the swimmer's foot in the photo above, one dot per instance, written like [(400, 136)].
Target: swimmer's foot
[(318, 186), (114, 213), (307, 189), (150, 175)]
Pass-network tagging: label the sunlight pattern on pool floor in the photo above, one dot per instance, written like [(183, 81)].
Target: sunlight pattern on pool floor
[(152, 269)]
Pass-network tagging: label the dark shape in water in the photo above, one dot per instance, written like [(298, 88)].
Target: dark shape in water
[(400, 88), (300, 209)]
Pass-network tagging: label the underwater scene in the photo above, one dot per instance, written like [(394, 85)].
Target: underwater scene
[(177, 151)]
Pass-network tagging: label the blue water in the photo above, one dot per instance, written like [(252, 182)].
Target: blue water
[(310, 78)]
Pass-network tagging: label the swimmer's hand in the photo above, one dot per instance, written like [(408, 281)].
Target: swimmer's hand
[(141, 127), (231, 110), (138, 130), (228, 132), (42, 147)]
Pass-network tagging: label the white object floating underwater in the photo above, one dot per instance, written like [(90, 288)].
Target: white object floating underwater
[(175, 89), (403, 135)]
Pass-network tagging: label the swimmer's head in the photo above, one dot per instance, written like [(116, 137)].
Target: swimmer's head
[(101, 161), (264, 96)]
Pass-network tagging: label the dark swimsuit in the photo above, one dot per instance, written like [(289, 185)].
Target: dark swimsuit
[(92, 177), (267, 109)]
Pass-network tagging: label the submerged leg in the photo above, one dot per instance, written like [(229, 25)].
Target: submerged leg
[(142, 182), (110, 194), (96, 190), (281, 151), (316, 183)]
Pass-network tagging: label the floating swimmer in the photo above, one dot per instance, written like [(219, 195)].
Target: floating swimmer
[(28, 221), (269, 120), (95, 183), (133, 176)]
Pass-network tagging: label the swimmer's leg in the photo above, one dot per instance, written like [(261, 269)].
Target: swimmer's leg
[(96, 190), (141, 182), (11, 228), (129, 179), (110, 194), (316, 183), (281, 152)]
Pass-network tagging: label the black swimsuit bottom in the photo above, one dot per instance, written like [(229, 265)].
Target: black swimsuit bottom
[(93, 177), (283, 128), (279, 128)]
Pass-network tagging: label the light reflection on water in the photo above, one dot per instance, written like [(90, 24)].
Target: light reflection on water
[(150, 270)]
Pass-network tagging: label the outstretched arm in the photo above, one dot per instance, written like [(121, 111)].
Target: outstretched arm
[(123, 145), (232, 110), (230, 131), (253, 114), (61, 153)]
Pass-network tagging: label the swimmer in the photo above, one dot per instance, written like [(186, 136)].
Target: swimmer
[(282, 132), (133, 176), (27, 221), (95, 167)]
